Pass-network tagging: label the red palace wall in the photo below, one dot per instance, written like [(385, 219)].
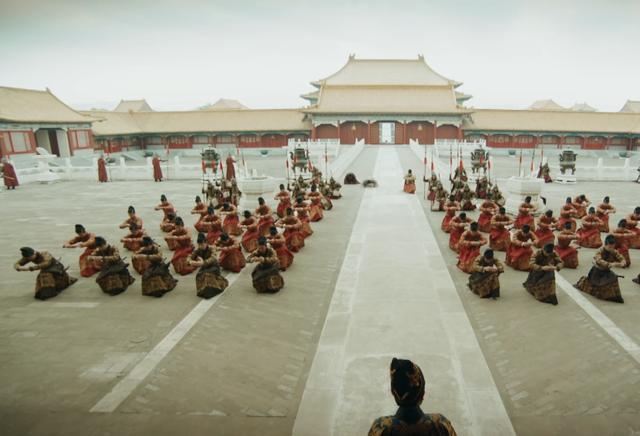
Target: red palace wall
[(80, 140), (421, 131), (595, 143), (351, 131), (447, 131), (327, 131), (273, 140)]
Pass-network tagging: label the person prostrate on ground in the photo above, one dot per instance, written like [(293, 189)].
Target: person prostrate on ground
[(589, 232), (114, 277), (52, 276), (500, 238), (469, 247), (541, 281), (266, 275), (565, 249), (408, 390), (209, 280), (520, 251), (601, 282), (484, 279), (409, 183)]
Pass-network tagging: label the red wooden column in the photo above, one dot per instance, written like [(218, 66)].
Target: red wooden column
[(314, 135), (607, 142), (404, 132), (511, 140), (459, 133), (560, 141), (368, 141), (338, 127)]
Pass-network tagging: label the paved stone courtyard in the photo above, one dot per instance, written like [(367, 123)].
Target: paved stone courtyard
[(247, 365)]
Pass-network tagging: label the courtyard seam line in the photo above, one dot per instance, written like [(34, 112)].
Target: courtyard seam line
[(131, 381), (615, 332)]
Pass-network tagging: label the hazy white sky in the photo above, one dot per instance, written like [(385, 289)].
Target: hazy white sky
[(182, 54)]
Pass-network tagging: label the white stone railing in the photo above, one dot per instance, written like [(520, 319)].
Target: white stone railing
[(600, 172), (339, 166), (316, 147)]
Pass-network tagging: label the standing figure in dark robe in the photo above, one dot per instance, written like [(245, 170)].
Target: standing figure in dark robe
[(9, 174), (407, 387), (156, 279), (266, 275), (102, 170), (231, 169), (86, 240), (52, 276), (601, 282), (114, 277), (541, 281), (484, 281), (209, 280), (157, 170)]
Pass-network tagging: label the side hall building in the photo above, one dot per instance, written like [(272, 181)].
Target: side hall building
[(380, 101)]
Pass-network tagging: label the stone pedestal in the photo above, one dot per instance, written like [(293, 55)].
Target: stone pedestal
[(44, 174), (254, 187), (520, 187)]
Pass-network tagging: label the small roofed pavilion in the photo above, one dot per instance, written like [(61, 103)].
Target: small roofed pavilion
[(31, 119), (386, 101)]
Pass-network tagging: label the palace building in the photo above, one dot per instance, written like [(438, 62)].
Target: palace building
[(380, 101)]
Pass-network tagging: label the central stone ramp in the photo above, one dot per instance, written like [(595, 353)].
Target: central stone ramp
[(395, 298)]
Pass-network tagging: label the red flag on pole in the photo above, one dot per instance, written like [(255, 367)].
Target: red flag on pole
[(433, 167), (204, 167), (287, 163)]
